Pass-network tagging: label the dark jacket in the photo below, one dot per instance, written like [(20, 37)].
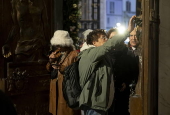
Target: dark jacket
[(126, 66)]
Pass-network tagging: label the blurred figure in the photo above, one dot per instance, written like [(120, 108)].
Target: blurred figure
[(85, 33), (62, 55), (126, 71), (112, 32), (6, 105)]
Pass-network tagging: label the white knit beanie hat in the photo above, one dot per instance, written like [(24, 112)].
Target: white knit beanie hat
[(61, 38), (85, 33)]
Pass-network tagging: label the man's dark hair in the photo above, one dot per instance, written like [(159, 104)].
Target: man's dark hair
[(110, 31), (94, 35)]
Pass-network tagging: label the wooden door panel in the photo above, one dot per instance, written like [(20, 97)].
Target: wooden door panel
[(136, 107), (28, 86), (145, 101)]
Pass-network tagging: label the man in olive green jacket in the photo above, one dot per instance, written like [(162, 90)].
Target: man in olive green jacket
[(96, 71)]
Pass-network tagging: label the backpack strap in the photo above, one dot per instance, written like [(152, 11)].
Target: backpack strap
[(63, 57)]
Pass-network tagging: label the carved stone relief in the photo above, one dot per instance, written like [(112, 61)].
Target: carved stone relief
[(18, 81), (29, 90), (30, 31)]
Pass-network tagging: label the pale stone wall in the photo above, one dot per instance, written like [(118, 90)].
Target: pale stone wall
[(164, 59)]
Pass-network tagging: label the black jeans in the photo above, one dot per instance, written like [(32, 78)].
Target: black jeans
[(120, 105)]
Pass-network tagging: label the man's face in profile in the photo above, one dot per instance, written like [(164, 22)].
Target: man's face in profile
[(133, 39), (101, 40)]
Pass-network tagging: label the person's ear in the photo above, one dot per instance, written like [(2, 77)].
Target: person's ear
[(94, 42)]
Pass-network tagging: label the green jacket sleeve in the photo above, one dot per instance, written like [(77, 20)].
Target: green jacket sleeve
[(98, 53)]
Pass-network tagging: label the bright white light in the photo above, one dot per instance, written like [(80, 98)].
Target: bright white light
[(126, 41), (118, 24), (121, 29)]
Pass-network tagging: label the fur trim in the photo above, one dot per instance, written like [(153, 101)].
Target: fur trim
[(61, 38)]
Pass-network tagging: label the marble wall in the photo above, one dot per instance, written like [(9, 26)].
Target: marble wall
[(164, 59)]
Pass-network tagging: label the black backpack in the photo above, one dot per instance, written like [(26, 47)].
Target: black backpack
[(71, 87)]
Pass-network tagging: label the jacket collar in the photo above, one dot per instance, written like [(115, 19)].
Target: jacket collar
[(85, 46)]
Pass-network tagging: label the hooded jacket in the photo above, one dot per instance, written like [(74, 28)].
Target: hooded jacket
[(98, 93)]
